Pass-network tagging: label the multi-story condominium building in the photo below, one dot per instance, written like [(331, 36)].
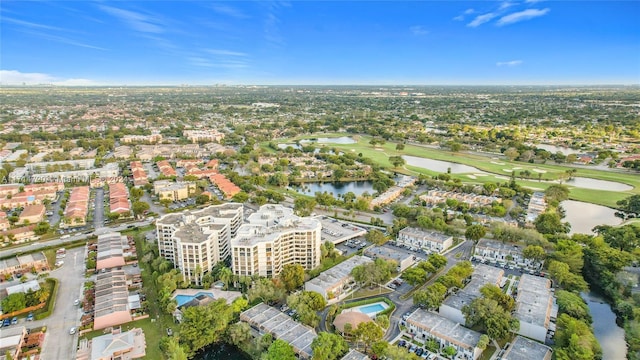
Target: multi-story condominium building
[(426, 325), (275, 237), (482, 275), (196, 240), (497, 251), (535, 307), (203, 135), (173, 191), (337, 281), (430, 241), (150, 139)]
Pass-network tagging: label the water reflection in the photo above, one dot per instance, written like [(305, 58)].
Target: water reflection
[(439, 166), (588, 183), (585, 216), (609, 334)]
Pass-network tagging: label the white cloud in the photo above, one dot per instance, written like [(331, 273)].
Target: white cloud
[(533, 1), (522, 16), (506, 5), (461, 16), (511, 63), (15, 77), (481, 19), (229, 11), (223, 52), (29, 24), (419, 30), (137, 21)]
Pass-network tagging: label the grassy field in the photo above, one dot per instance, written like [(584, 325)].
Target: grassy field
[(499, 170)]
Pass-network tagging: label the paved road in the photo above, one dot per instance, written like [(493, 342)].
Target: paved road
[(29, 247), (404, 306), (98, 215), (58, 344)]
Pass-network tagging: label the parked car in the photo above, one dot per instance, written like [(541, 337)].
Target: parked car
[(6, 322), (30, 317), (14, 320), (72, 330)]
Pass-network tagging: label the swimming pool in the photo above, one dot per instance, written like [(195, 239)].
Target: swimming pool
[(372, 309), (183, 299)]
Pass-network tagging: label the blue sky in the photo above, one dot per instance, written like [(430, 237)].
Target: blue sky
[(319, 42)]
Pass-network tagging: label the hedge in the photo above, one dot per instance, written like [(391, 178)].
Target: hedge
[(386, 311), (51, 302)]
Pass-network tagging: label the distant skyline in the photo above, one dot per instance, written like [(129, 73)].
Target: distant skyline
[(530, 42)]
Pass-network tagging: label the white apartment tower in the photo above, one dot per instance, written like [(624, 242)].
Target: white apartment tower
[(195, 241), (275, 237)]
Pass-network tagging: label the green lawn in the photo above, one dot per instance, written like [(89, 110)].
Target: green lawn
[(496, 167), (152, 334), (488, 352)]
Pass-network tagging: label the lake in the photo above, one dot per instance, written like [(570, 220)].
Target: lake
[(609, 334), (356, 187), (554, 149), (585, 216), (325, 140), (588, 183), (439, 166), (221, 351)]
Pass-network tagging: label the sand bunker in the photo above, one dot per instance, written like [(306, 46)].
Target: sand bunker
[(497, 163), (501, 177), (507, 170), (480, 175), (471, 177), (517, 168), (540, 171)]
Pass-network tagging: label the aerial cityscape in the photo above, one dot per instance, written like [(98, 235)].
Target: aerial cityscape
[(320, 180)]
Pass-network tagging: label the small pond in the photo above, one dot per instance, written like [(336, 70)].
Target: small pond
[(325, 140), (588, 183), (337, 188), (554, 149), (439, 166), (585, 216)]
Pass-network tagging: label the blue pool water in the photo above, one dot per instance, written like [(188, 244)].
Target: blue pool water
[(372, 309), (183, 299)]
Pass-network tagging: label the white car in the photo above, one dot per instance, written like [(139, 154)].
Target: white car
[(72, 330)]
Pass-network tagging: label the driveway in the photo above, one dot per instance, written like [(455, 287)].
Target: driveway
[(58, 344), (98, 215)]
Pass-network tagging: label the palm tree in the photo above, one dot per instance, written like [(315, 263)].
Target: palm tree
[(226, 275)]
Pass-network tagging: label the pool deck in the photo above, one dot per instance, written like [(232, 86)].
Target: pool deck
[(230, 296)]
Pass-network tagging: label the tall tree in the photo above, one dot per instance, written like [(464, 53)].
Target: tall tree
[(279, 350), (292, 276), (327, 346)]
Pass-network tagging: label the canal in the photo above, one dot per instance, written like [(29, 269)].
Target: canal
[(609, 334)]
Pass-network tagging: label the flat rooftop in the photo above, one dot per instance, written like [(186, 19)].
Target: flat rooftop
[(270, 222), (535, 302), (498, 246), (428, 235), (336, 274), (338, 231), (267, 319), (388, 253), (444, 328), (525, 349)]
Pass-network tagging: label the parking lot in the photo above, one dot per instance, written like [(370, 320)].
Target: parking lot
[(418, 350)]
